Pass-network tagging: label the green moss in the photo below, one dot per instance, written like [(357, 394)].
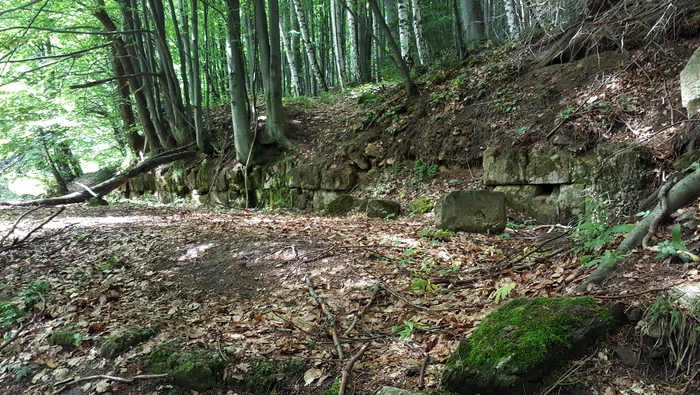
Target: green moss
[(340, 205), (334, 389), (261, 381), (65, 339), (523, 330), (197, 371), (422, 205), (119, 343)]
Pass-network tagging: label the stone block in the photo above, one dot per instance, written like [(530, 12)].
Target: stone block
[(322, 198), (571, 201), (305, 176), (548, 167), (624, 173), (340, 205), (341, 178), (471, 211), (505, 167), (518, 197), (544, 209), (690, 85), (380, 208)]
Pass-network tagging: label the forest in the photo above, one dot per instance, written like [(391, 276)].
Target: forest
[(392, 197)]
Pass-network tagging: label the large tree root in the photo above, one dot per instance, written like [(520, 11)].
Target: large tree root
[(113, 183), (682, 192)]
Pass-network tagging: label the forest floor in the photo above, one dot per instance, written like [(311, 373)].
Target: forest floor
[(236, 281)]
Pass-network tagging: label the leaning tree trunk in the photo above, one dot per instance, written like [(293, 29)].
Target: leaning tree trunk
[(240, 117), (113, 183), (411, 89), (308, 46), (682, 192)]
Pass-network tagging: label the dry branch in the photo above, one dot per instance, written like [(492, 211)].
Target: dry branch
[(347, 371), (324, 306), (75, 380)]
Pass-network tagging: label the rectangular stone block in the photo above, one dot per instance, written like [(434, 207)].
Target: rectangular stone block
[(472, 211), (548, 167), (505, 167)]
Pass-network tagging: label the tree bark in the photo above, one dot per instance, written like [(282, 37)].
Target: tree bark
[(338, 44), (411, 89), (404, 32), (472, 23), (681, 193), (421, 45), (240, 117), (308, 46), (289, 52)]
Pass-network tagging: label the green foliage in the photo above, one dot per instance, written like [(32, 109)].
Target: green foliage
[(675, 247), (334, 389), (423, 171), (20, 372), (593, 233), (423, 285), (405, 330), (675, 324), (436, 234), (408, 255), (566, 114), (502, 293), (609, 257)]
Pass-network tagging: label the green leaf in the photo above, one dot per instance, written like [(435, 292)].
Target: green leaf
[(676, 235), (622, 228)]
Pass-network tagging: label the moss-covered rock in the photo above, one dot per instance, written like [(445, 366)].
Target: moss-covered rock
[(261, 381), (306, 176), (340, 205), (121, 342), (379, 208), (68, 340), (518, 345), (421, 206), (548, 167), (471, 211), (198, 371), (341, 178), (505, 167)]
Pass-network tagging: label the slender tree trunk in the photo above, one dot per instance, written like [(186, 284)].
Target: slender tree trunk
[(202, 138), (411, 89), (293, 73), (354, 42), (308, 46), (511, 19), (421, 45), (60, 181), (242, 137), (404, 32), (472, 23), (135, 84), (338, 43), (270, 56), (183, 50)]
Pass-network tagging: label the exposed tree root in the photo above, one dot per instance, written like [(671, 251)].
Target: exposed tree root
[(324, 306), (679, 194), (347, 372), (113, 183)]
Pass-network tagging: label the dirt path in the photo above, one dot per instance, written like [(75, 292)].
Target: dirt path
[(235, 281)]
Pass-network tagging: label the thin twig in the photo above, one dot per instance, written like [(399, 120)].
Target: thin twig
[(347, 371), (421, 378), (359, 316), (625, 296), (12, 229), (330, 315), (42, 224), (13, 338)]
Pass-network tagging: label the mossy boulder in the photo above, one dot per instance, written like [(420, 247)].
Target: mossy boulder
[(505, 167), (340, 205), (121, 342), (518, 346), (421, 206), (548, 167), (68, 340), (198, 371), (379, 208), (471, 211)]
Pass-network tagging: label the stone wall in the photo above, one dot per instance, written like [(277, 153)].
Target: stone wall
[(551, 185), (305, 186)]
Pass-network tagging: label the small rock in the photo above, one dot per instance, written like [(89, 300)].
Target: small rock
[(395, 391), (627, 356), (374, 151), (378, 208)]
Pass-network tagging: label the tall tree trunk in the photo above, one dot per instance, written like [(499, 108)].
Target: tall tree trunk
[(46, 153), (270, 56), (421, 47), (471, 16), (511, 19), (202, 137), (183, 49), (171, 90), (354, 41), (240, 117), (338, 43), (134, 83), (404, 32), (308, 46), (288, 51), (411, 89)]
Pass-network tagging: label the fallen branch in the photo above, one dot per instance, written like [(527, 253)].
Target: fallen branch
[(75, 380), (347, 371), (682, 192), (13, 338), (320, 301), (14, 226), (113, 183), (17, 243), (423, 366), (376, 287), (636, 294)]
